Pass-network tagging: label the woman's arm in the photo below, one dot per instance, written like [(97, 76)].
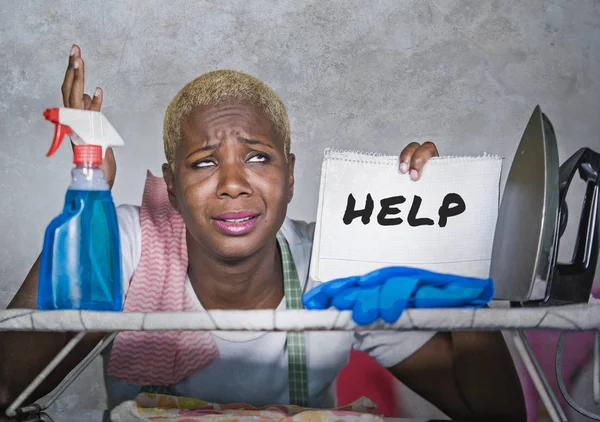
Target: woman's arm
[(467, 375)]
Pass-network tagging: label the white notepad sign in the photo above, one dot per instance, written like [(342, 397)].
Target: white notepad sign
[(372, 216)]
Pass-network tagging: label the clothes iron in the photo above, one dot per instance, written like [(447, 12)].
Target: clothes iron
[(533, 216)]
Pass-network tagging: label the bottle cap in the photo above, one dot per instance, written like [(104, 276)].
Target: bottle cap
[(87, 154)]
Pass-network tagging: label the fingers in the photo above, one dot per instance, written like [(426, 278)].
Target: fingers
[(93, 104), (406, 155), (96, 103), (76, 94), (74, 84), (69, 74), (87, 101), (414, 157)]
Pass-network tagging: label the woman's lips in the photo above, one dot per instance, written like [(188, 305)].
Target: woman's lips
[(236, 215), (236, 223)]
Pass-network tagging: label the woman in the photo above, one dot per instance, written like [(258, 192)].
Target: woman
[(228, 179)]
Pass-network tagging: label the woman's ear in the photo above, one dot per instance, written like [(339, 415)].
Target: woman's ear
[(169, 179), (291, 164)]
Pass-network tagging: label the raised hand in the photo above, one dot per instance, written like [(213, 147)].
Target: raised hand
[(74, 97)]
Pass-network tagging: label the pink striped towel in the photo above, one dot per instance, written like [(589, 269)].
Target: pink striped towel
[(158, 285)]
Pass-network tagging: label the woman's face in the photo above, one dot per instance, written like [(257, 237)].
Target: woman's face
[(231, 181)]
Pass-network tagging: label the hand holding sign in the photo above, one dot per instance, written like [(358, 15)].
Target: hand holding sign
[(371, 215), (414, 157)]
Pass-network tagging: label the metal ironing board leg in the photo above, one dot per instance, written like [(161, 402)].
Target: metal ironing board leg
[(540, 381), (55, 394), (596, 379), (12, 409)]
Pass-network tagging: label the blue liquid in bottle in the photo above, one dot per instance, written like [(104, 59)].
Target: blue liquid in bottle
[(80, 265)]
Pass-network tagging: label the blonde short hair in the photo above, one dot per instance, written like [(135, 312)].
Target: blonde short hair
[(222, 86)]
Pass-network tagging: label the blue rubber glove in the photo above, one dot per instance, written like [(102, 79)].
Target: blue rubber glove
[(386, 292)]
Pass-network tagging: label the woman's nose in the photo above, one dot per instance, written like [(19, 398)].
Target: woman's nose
[(233, 181)]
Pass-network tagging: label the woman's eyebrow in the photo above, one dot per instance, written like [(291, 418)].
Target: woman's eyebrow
[(209, 147), (242, 140)]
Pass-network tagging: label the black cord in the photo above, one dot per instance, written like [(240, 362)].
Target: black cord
[(561, 383)]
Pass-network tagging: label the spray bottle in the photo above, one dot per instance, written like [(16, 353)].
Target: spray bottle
[(80, 264)]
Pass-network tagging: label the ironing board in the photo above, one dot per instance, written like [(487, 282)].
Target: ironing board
[(578, 317)]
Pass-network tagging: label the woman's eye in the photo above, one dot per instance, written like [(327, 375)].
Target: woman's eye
[(258, 158), (203, 164)]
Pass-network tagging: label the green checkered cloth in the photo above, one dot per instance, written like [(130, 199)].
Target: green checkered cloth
[(296, 341)]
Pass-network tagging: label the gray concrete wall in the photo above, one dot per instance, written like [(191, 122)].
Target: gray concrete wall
[(362, 75)]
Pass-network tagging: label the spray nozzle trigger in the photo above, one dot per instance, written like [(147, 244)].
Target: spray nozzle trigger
[(85, 127), (60, 130)]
